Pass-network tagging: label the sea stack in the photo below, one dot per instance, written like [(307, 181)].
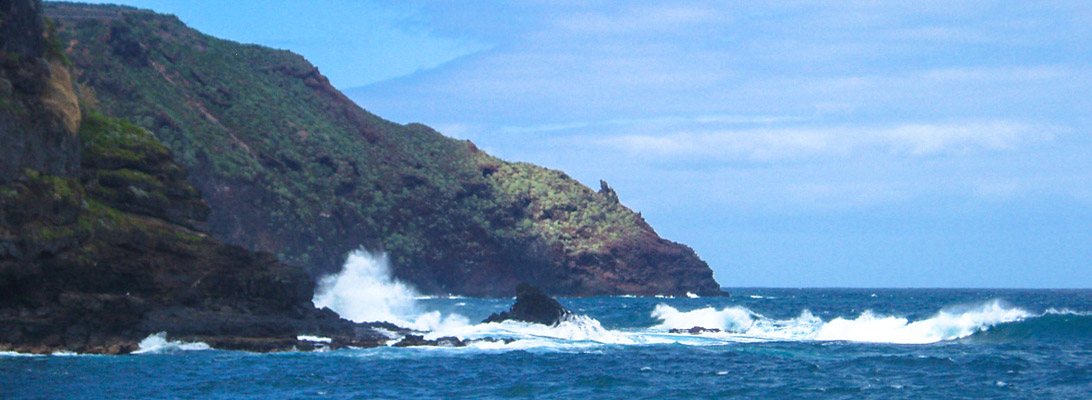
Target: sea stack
[(532, 305)]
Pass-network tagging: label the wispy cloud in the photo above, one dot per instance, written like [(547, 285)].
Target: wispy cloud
[(664, 121), (644, 20), (808, 142)]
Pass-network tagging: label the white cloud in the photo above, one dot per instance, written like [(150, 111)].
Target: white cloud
[(799, 143), (642, 20), (1012, 73), (997, 189)]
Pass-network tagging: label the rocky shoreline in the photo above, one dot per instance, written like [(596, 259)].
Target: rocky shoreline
[(330, 332)]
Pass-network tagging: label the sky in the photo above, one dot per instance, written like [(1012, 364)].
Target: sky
[(791, 144)]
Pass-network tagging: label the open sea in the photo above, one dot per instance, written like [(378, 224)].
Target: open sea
[(774, 343)]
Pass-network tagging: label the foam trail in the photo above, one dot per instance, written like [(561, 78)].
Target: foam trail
[(158, 343), (574, 332), (365, 292)]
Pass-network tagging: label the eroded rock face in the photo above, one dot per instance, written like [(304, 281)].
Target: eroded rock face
[(38, 114), (532, 305)]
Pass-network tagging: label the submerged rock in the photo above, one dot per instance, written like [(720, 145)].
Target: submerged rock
[(532, 305), (418, 340), (695, 330)]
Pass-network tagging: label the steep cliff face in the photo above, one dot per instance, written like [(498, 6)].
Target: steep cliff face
[(291, 166), (100, 240), (38, 111)]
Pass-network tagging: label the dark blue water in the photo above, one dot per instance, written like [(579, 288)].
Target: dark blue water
[(993, 344)]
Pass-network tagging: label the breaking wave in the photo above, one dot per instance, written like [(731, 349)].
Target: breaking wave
[(157, 343), (946, 325)]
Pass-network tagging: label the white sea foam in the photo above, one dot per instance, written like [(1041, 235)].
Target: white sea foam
[(158, 343), (364, 291), (1066, 311), (18, 354), (576, 328), (741, 323), (316, 339)]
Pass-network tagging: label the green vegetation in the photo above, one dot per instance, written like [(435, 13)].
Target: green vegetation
[(118, 140), (54, 48)]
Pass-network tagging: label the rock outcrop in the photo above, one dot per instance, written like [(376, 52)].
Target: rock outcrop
[(532, 305), (292, 167)]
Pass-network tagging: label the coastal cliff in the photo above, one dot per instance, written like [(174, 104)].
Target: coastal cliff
[(291, 166), (102, 240)]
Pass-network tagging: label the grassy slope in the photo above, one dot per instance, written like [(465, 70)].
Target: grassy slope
[(291, 166)]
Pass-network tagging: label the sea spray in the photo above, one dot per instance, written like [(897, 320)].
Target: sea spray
[(157, 343), (364, 291)]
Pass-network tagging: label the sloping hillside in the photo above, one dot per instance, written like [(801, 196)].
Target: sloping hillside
[(289, 165), (100, 235)]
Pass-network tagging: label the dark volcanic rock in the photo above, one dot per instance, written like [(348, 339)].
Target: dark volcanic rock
[(446, 341), (38, 113), (532, 305), (21, 32), (695, 330), (418, 340)]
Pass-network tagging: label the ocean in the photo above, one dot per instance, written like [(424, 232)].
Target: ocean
[(773, 343)]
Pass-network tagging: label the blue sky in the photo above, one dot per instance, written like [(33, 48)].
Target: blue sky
[(799, 144)]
